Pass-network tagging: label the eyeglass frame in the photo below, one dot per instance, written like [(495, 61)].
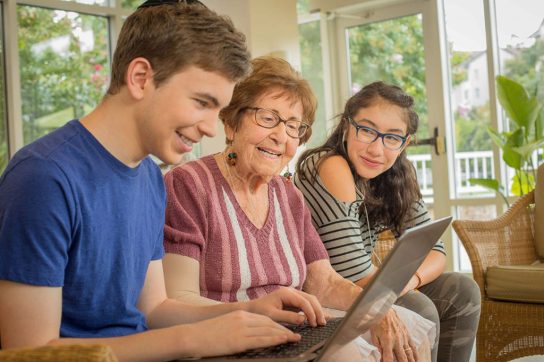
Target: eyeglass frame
[(280, 120), (378, 135)]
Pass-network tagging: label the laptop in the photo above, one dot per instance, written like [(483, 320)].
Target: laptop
[(320, 343)]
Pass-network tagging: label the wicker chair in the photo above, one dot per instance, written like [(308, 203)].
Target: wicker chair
[(509, 327), (67, 353)]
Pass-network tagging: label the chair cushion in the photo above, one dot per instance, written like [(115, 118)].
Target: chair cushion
[(539, 213), (517, 283), (67, 353)]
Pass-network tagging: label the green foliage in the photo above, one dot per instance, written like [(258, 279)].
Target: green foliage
[(459, 73), (525, 67), (312, 70), (61, 67), (518, 144), (131, 4), (392, 51), (470, 130), (303, 6)]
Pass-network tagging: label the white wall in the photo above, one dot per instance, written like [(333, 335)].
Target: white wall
[(270, 27)]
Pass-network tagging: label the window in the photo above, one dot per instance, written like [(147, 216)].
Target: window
[(312, 70), (520, 30), (309, 29), (64, 65), (465, 33), (3, 110), (131, 4), (60, 58), (520, 35)]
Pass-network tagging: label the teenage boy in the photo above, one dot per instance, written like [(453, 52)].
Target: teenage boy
[(82, 209)]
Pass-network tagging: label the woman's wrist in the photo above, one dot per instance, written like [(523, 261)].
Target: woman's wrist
[(419, 279)]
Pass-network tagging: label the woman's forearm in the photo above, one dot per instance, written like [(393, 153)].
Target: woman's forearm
[(433, 266), (330, 288)]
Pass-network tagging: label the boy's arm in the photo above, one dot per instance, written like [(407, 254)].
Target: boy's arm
[(30, 316)]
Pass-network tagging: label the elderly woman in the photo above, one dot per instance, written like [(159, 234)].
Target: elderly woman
[(236, 231)]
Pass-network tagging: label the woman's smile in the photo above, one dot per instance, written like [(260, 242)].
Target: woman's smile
[(269, 153)]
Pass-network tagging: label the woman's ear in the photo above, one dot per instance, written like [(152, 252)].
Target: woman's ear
[(139, 77), (229, 134)]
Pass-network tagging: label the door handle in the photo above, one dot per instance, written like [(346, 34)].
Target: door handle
[(437, 141)]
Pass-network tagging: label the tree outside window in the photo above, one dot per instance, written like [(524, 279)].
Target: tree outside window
[(64, 60)]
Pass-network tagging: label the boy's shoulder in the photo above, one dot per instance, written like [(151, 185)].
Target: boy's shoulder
[(48, 147), (38, 157)]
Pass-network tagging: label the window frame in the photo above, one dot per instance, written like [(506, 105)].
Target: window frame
[(114, 13)]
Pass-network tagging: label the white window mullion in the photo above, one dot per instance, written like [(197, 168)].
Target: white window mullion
[(13, 84)]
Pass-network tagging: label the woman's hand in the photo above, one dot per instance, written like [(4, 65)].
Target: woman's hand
[(283, 305), (392, 339), (232, 333), (412, 285)]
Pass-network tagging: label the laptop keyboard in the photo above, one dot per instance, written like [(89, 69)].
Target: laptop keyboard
[(310, 337)]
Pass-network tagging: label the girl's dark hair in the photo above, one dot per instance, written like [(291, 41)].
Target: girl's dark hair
[(389, 196)]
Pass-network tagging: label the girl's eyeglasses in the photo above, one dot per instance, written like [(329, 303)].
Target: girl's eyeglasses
[(366, 134)]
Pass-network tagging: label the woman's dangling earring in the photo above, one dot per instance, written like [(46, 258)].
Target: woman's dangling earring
[(231, 158), (288, 175)]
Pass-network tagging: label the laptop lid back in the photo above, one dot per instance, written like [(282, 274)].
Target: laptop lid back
[(384, 288)]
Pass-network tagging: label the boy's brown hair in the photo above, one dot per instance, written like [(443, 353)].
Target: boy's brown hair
[(173, 36)]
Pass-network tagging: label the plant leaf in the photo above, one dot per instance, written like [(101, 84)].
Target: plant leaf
[(516, 139), (539, 126), (496, 137), (509, 154), (511, 157), (523, 184), (485, 182), (516, 102), (526, 151)]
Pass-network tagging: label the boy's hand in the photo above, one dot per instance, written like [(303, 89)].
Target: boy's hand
[(283, 305), (232, 333)]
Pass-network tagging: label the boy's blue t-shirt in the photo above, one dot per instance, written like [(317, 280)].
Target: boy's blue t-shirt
[(73, 216)]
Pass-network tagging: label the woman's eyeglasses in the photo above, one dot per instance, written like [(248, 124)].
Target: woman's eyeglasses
[(365, 134), (269, 119)]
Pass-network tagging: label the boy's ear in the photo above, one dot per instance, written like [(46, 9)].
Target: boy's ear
[(139, 76)]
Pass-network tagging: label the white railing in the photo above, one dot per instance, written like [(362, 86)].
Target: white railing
[(478, 164)]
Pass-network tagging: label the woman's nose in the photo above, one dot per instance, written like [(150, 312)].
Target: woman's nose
[(279, 133)]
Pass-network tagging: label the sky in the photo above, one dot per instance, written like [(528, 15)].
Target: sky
[(516, 21)]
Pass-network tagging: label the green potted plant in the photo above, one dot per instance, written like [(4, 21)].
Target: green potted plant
[(521, 141)]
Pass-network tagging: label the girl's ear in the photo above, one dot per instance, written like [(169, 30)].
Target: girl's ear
[(408, 140)]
